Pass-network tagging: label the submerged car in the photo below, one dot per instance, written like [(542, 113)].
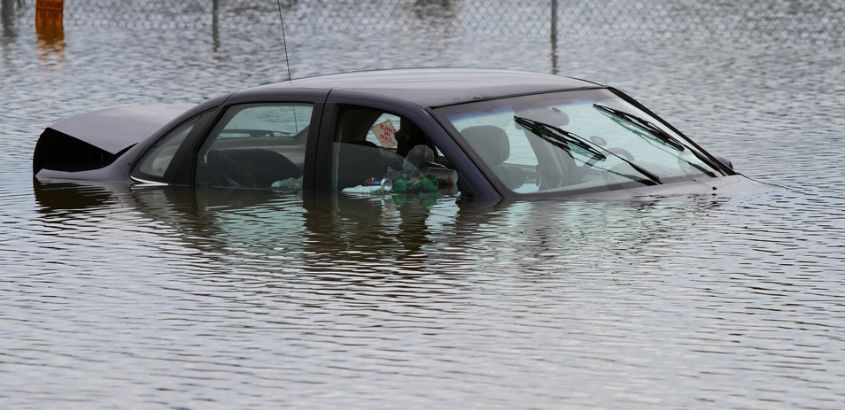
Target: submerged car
[(476, 133)]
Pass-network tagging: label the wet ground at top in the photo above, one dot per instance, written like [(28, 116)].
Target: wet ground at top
[(172, 297)]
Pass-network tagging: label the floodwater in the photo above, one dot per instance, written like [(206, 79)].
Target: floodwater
[(203, 299)]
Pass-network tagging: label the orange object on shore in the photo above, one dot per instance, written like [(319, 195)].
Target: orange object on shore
[(49, 10), (49, 16)]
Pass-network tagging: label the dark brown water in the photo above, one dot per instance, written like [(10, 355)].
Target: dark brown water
[(196, 299)]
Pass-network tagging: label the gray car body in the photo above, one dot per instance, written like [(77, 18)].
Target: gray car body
[(127, 133)]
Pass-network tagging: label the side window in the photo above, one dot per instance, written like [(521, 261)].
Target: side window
[(379, 151), (156, 161), (259, 146)]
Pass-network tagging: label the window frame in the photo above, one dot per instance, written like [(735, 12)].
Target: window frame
[(316, 100), (472, 181), (177, 161)]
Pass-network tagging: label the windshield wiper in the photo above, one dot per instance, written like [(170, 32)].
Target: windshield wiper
[(652, 129), (558, 134), (656, 132), (560, 137)]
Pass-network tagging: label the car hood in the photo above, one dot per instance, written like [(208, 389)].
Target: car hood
[(730, 185)]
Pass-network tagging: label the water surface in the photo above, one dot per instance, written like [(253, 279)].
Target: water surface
[(171, 297)]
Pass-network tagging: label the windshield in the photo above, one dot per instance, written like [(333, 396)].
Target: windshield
[(573, 141)]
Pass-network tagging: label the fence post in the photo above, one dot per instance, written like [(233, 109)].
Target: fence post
[(7, 8), (215, 25), (49, 20), (553, 31), (49, 12)]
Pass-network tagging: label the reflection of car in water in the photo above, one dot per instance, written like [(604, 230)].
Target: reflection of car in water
[(359, 237), (488, 134), (216, 221)]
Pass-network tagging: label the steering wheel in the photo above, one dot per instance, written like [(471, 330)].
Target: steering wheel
[(582, 171), (610, 176)]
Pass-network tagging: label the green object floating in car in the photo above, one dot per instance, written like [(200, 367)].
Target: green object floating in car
[(425, 183)]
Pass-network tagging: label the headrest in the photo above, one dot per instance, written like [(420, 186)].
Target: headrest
[(490, 142)]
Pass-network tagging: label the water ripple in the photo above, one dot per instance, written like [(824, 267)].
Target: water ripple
[(170, 297)]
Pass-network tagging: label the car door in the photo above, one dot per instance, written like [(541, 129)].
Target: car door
[(261, 140), (352, 150)]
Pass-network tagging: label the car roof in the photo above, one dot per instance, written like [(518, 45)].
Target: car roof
[(433, 87)]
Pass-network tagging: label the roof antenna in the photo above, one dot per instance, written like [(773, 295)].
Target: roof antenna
[(284, 42)]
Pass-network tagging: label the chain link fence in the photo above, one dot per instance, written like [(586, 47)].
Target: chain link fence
[(562, 19)]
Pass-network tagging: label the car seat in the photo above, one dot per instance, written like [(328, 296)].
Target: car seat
[(356, 162), (492, 145), (249, 168)]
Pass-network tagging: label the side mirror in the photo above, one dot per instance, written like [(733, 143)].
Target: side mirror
[(724, 160)]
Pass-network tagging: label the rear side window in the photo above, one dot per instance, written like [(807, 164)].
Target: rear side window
[(153, 166), (258, 146)]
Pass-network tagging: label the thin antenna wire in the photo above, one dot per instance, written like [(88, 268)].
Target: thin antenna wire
[(284, 42), (287, 61)]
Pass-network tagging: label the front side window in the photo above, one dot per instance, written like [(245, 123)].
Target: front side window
[(258, 146), (575, 141), (377, 151), (158, 158)]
